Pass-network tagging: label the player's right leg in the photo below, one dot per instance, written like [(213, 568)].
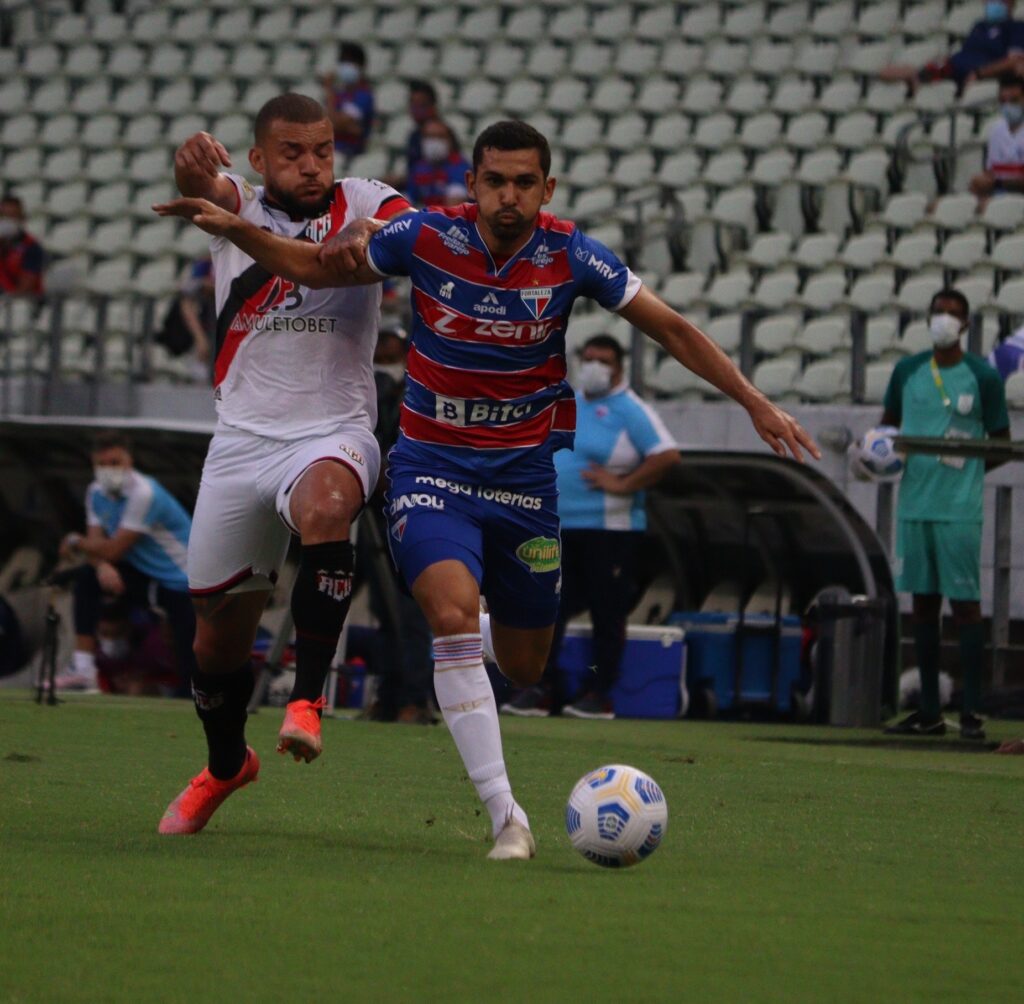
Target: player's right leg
[(236, 546), (449, 596), (222, 685)]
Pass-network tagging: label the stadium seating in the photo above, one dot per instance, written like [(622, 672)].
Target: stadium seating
[(778, 173)]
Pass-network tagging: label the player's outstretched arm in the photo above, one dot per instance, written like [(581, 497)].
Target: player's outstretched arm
[(291, 259), (696, 351), (197, 164)]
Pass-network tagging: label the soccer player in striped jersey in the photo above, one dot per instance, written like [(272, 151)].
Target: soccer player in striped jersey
[(293, 452), (471, 503)]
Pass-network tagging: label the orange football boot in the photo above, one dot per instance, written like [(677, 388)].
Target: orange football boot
[(300, 731), (192, 809)]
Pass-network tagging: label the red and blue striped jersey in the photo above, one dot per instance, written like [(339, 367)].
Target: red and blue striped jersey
[(486, 395)]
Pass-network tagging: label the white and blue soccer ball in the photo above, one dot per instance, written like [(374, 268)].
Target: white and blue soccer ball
[(874, 456), (616, 816)]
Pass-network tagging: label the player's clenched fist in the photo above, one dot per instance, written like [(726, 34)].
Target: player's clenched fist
[(202, 154), (346, 252)]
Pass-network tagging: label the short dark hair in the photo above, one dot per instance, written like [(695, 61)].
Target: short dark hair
[(351, 52), (422, 87), (287, 107), (951, 294), (9, 198), (606, 342), (111, 439), (512, 134), (1011, 80)]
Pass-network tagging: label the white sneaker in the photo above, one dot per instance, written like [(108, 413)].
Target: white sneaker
[(78, 683), (515, 842)]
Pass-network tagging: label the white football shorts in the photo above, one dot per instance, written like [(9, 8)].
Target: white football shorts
[(241, 526)]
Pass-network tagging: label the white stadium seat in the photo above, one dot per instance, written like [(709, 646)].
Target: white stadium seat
[(826, 380), (1015, 390), (777, 378), (774, 335)]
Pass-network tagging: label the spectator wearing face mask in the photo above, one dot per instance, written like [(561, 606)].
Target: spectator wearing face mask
[(994, 46), (134, 549), (951, 394), (1004, 158), (622, 447), (348, 98), (21, 256), (438, 178), (422, 108)]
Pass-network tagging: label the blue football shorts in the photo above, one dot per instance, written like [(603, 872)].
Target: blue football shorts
[(507, 538)]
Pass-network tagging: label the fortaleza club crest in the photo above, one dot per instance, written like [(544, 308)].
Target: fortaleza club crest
[(319, 228), (540, 554), (536, 299)]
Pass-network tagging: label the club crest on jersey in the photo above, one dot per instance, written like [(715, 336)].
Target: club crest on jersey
[(542, 256), (536, 299), (456, 239), (319, 228)]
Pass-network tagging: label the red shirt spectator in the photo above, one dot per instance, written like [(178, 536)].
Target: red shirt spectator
[(21, 255)]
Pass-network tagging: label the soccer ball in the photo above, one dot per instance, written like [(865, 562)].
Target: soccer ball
[(616, 816), (874, 458)]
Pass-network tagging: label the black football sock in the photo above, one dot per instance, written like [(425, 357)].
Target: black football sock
[(927, 641), (972, 656), (320, 600), (221, 700)]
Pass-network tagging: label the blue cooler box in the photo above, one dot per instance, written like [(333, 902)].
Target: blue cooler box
[(711, 657), (652, 679)]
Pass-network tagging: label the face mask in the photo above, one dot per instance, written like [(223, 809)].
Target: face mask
[(595, 378), (436, 149), (111, 479), (396, 371), (115, 648), (945, 330), (8, 228), (348, 73), (1013, 113), (996, 10)]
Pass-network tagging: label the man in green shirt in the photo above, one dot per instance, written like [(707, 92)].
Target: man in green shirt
[(952, 394)]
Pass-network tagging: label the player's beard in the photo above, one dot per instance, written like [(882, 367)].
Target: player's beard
[(304, 209)]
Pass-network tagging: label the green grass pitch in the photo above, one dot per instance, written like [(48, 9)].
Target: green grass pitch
[(800, 864)]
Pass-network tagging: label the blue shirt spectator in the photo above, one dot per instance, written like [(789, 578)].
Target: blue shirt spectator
[(616, 434), (994, 46), (438, 178), (349, 100)]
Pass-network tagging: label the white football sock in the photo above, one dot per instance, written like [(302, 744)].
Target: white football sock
[(466, 700), (84, 664), (485, 638)]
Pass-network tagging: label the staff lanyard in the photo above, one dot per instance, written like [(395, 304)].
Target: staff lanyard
[(937, 377)]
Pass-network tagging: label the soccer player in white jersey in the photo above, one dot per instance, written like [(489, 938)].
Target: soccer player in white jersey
[(293, 451), (471, 498)]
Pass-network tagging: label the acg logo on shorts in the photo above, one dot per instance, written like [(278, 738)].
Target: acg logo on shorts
[(540, 554)]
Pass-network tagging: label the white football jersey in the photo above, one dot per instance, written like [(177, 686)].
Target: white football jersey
[(294, 362)]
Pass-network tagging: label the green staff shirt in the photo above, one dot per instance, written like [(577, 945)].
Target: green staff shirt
[(969, 404)]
